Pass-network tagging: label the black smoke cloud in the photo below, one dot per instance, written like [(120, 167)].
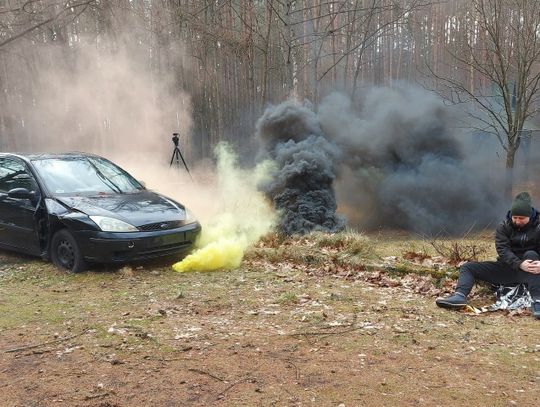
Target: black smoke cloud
[(397, 163), (301, 186)]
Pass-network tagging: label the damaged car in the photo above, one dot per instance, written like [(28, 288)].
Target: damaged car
[(77, 208)]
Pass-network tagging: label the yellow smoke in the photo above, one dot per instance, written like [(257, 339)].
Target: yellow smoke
[(246, 216)]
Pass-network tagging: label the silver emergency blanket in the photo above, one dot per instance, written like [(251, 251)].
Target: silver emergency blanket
[(511, 298)]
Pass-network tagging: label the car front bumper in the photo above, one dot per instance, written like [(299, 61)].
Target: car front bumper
[(109, 247)]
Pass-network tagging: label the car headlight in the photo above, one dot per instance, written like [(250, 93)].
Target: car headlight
[(190, 217), (113, 225)]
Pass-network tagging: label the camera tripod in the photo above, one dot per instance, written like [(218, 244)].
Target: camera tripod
[(177, 155)]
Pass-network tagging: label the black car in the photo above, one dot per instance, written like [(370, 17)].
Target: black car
[(76, 208)]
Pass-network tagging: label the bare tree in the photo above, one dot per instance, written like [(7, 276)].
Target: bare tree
[(496, 67), (232, 57), (28, 16)]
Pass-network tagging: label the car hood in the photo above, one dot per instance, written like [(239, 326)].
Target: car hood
[(138, 208)]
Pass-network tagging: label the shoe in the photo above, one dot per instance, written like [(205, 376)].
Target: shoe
[(535, 309), (455, 301)]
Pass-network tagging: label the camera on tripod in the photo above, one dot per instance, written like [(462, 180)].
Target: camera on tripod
[(177, 154), (175, 139)]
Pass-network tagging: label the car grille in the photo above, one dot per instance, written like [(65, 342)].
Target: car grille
[(161, 226), (164, 250), (152, 252)]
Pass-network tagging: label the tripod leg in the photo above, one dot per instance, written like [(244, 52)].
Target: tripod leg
[(177, 155), (185, 165)]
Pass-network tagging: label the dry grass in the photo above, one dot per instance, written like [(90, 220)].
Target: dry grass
[(458, 252), (312, 320)]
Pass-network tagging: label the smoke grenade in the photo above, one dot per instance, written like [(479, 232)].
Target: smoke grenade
[(244, 216), (301, 182)]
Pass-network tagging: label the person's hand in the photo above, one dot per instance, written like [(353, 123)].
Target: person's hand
[(534, 267), (530, 266), (526, 265)]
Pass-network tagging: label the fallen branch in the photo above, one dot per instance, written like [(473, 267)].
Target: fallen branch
[(46, 343), (206, 373), (148, 357), (41, 352), (230, 387), (289, 361), (402, 269)]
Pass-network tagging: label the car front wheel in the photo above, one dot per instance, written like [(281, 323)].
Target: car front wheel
[(65, 252)]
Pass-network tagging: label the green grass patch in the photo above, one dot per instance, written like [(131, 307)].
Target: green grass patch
[(287, 298)]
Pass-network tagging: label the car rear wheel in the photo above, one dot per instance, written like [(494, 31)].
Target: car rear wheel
[(65, 252)]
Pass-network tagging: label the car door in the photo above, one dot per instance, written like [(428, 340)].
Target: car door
[(18, 224)]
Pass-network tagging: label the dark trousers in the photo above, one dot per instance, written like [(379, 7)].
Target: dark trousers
[(496, 272)]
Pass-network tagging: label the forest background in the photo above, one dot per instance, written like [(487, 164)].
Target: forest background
[(118, 77), (102, 75)]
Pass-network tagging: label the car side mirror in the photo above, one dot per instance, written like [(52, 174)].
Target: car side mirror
[(21, 193), (142, 183)]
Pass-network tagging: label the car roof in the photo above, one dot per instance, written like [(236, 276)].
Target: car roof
[(41, 156)]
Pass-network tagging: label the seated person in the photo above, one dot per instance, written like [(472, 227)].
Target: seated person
[(517, 241)]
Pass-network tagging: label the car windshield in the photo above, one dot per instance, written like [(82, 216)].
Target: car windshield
[(84, 175)]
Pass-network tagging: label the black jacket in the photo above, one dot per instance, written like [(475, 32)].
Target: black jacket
[(512, 243)]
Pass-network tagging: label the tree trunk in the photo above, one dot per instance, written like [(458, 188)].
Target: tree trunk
[(509, 181), (510, 156)]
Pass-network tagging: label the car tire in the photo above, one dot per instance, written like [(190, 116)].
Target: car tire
[(65, 253)]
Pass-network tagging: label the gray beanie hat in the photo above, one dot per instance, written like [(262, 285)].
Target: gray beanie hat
[(522, 205)]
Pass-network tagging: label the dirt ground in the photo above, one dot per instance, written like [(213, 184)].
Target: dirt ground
[(291, 327)]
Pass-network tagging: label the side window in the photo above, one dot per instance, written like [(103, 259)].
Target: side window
[(14, 174)]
